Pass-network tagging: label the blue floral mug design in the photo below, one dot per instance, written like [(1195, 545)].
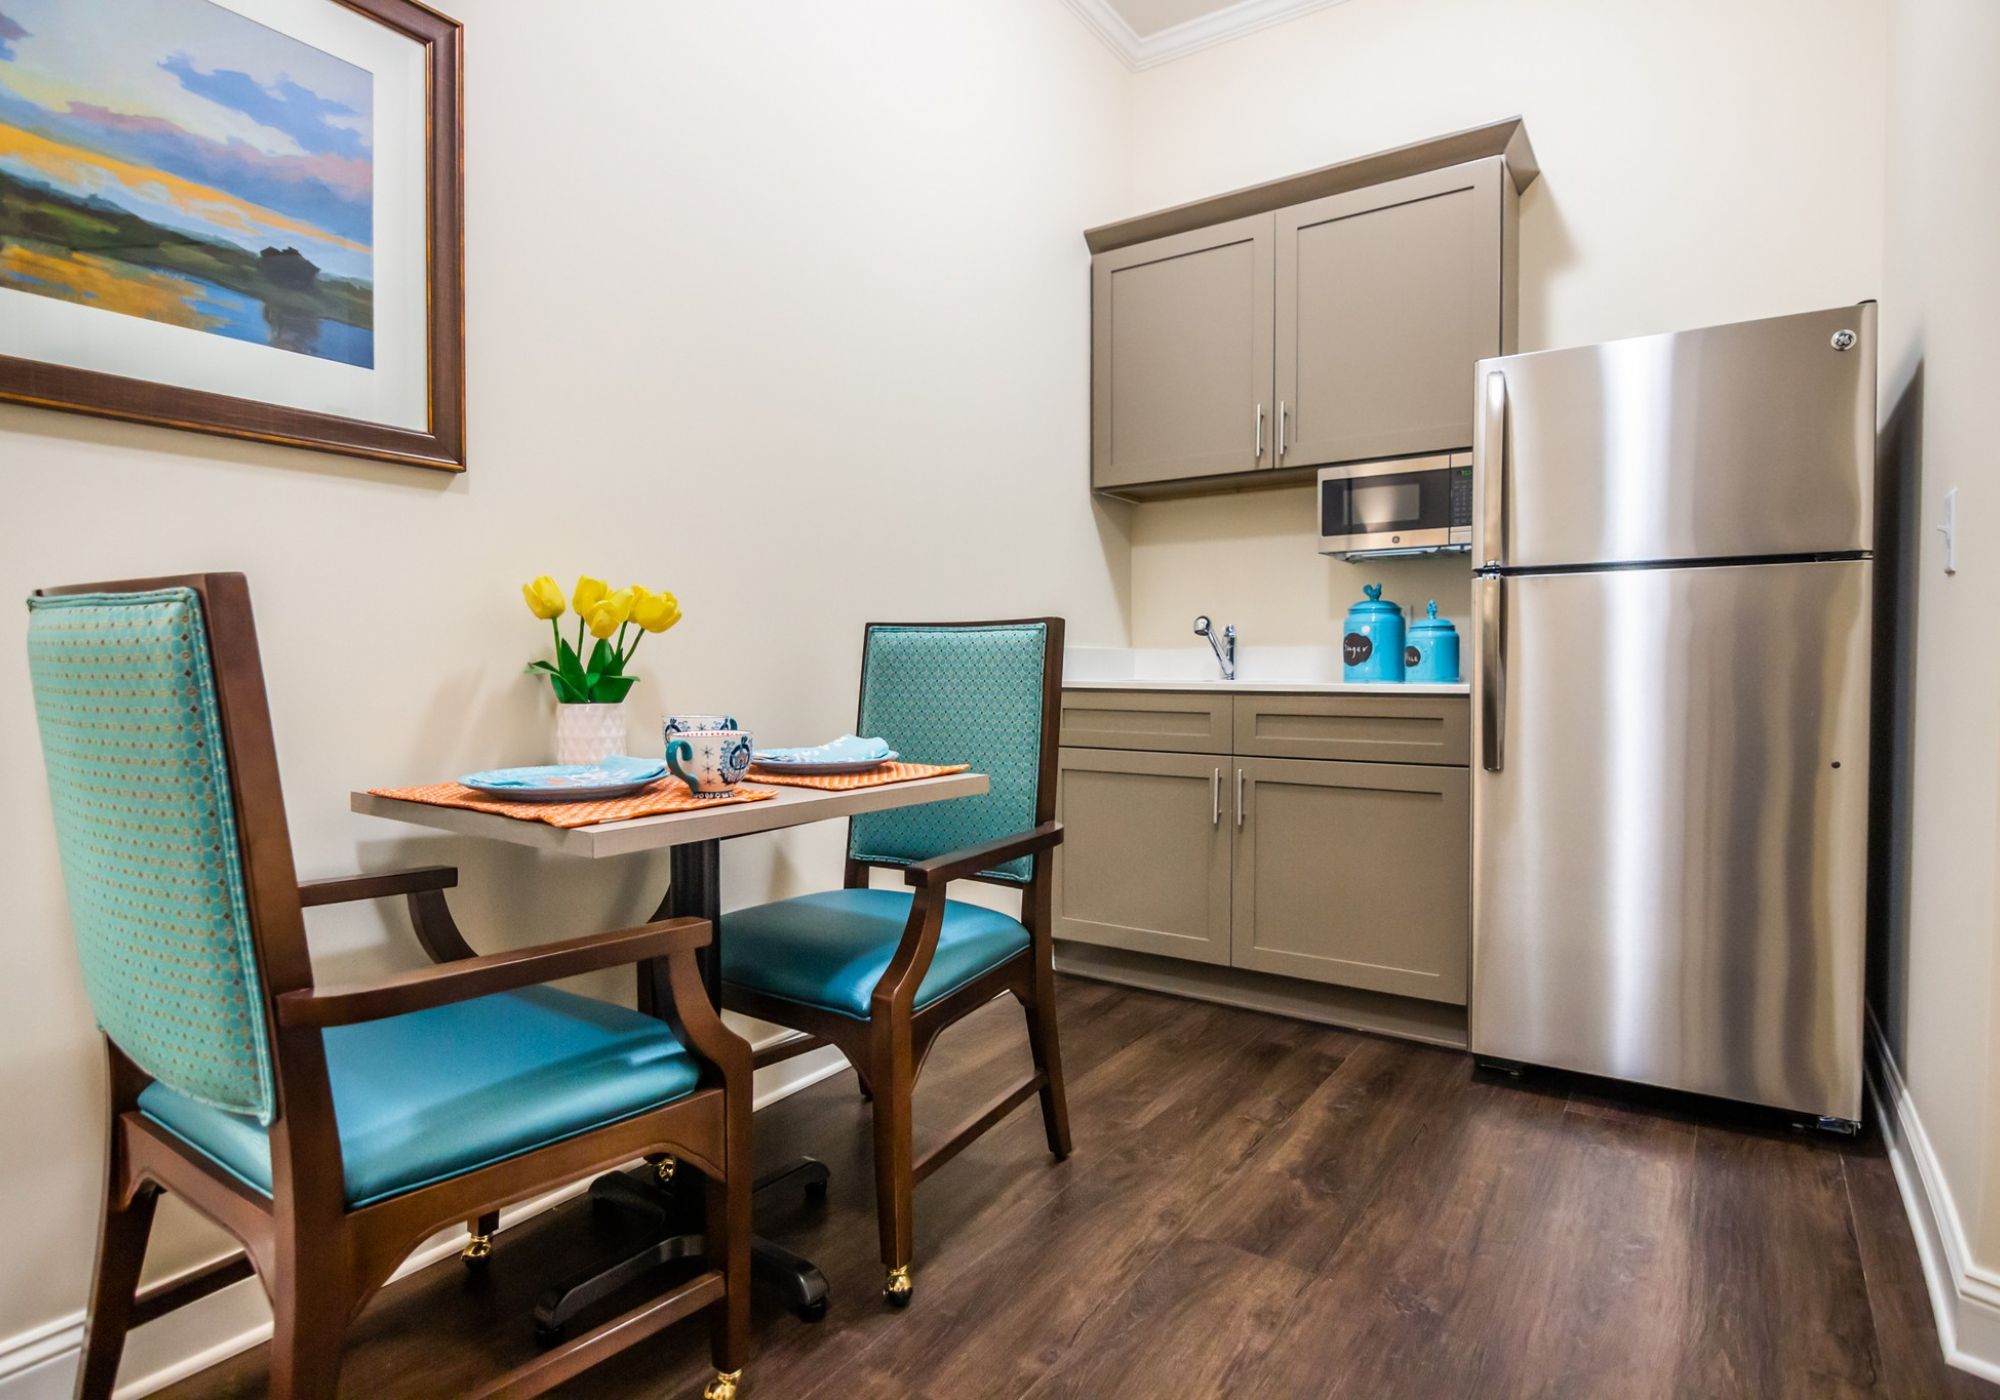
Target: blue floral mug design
[(671, 725), (709, 761)]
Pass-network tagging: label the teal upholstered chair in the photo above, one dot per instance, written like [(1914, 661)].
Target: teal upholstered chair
[(879, 973), (332, 1129)]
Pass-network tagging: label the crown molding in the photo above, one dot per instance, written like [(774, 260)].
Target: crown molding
[(1190, 36)]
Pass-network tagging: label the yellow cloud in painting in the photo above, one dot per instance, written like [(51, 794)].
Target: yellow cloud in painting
[(71, 166)]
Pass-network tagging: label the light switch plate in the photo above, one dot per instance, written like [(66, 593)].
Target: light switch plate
[(1948, 527)]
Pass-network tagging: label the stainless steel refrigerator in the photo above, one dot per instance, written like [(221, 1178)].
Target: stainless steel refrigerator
[(1670, 695)]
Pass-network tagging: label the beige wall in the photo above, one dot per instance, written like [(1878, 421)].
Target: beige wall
[(1940, 1001), (781, 306), (1704, 161)]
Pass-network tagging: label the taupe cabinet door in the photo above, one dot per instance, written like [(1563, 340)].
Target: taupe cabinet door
[(1180, 362), (1354, 873), (1386, 297), (1144, 863)]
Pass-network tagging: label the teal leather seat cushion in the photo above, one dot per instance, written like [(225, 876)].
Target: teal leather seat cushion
[(830, 949), (437, 1093)]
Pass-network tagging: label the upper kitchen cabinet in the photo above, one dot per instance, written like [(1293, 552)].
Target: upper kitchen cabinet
[(1181, 336), (1387, 297), (1334, 316)]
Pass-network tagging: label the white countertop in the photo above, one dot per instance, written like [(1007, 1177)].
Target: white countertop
[(1259, 671), (1257, 687)]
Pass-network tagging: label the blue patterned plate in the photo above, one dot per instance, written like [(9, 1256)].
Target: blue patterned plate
[(568, 782), (844, 755)]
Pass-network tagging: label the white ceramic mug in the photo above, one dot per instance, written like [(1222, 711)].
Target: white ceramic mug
[(709, 761)]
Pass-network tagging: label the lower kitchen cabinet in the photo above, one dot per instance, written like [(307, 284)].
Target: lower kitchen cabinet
[(1354, 873), (1144, 863), (1301, 854)]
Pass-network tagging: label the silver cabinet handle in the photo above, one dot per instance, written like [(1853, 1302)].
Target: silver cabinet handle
[(1260, 434), (1239, 797), (1281, 429), (1489, 454), (1215, 799), (1492, 670)]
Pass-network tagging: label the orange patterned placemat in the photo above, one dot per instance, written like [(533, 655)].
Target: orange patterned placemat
[(844, 782), (666, 795)]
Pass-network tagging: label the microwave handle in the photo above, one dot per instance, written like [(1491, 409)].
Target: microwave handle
[(1489, 454)]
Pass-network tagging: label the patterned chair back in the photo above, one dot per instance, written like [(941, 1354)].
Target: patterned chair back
[(146, 826), (974, 693)]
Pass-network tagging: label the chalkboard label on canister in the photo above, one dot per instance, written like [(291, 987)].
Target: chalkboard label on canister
[(1356, 648), (1412, 657)]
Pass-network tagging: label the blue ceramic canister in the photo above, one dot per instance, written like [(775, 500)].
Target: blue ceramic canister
[(1372, 647), (1431, 658)]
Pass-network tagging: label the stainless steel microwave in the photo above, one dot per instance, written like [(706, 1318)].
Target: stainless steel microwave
[(1413, 505)]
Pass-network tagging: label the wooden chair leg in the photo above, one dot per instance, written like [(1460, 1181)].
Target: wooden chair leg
[(310, 1307), (1042, 1044), (728, 1207), (478, 1250), (895, 1185), (121, 1250)]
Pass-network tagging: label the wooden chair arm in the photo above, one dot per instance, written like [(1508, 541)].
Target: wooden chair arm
[(466, 978), (423, 888), (956, 865), (346, 889)]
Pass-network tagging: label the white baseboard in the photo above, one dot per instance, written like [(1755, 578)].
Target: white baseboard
[(41, 1363), (1965, 1295)]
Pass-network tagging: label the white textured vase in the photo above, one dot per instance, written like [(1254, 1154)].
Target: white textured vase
[(589, 733)]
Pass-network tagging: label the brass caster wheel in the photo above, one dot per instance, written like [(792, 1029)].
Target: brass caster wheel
[(477, 1252), (897, 1289), (723, 1387)]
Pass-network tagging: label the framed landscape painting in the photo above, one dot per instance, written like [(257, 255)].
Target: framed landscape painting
[(236, 216)]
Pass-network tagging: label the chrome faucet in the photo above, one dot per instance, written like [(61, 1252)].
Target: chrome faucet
[(1224, 646)]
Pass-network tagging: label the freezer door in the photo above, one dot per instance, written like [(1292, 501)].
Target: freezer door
[(1668, 863), (1748, 440)]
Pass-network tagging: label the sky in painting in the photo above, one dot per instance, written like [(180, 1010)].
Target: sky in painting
[(192, 117)]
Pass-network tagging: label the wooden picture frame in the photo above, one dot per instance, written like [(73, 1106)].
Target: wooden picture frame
[(441, 443)]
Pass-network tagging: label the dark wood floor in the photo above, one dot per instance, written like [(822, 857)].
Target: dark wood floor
[(1259, 1207)]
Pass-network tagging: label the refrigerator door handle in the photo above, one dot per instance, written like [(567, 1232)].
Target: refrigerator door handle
[(1492, 670), (1490, 452)]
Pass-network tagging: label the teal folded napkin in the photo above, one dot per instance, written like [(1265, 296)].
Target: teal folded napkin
[(848, 748)]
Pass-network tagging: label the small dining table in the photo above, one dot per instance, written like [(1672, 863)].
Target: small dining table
[(671, 1210)]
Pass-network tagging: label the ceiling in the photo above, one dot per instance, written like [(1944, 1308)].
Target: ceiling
[(1149, 32), (1149, 17)]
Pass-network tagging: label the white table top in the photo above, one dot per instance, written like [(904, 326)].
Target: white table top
[(793, 806)]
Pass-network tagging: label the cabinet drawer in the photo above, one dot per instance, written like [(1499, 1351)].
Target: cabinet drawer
[(1162, 721), (1356, 728)]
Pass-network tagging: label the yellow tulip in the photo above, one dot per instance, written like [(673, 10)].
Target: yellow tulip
[(589, 593), (656, 612), (613, 611), (545, 599)]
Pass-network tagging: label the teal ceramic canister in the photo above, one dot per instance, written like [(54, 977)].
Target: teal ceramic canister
[(1431, 658), (1372, 647)]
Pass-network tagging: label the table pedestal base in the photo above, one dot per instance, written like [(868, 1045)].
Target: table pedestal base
[(671, 1216)]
